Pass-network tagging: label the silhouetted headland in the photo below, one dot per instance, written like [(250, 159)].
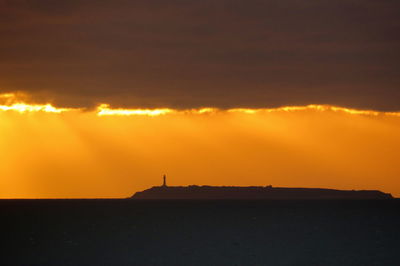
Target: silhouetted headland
[(253, 192)]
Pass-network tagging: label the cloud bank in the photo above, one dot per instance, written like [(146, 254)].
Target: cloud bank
[(193, 54)]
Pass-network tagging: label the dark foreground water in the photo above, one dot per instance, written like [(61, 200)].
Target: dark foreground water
[(134, 232)]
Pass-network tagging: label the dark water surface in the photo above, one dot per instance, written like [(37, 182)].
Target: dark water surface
[(145, 232)]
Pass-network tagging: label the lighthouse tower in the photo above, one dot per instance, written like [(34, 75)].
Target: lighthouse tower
[(164, 181)]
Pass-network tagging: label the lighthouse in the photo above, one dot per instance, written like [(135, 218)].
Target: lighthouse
[(164, 181)]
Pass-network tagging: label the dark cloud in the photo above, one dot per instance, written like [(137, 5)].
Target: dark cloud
[(183, 53)]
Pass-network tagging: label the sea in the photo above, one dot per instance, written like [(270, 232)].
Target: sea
[(199, 232)]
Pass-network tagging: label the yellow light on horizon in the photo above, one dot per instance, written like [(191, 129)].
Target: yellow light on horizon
[(15, 102), (314, 107), (7, 95), (243, 110), (206, 110), (22, 108), (103, 109)]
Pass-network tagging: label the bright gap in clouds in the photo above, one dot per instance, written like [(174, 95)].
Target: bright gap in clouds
[(13, 103)]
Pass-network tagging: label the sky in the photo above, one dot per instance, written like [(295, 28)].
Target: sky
[(186, 54), (101, 98)]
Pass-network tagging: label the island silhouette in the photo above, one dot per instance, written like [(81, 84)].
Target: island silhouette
[(253, 192)]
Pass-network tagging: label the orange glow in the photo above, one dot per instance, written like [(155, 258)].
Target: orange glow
[(115, 152), (393, 113)]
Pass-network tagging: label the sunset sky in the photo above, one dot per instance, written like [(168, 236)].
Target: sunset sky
[(101, 98)]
